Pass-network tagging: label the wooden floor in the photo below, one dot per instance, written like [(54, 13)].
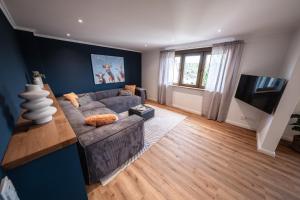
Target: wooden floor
[(202, 159)]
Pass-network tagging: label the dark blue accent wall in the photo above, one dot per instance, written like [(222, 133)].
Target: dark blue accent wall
[(1, 174), (56, 176), (12, 80), (68, 65)]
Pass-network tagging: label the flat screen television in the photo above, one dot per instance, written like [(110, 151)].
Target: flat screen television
[(261, 92)]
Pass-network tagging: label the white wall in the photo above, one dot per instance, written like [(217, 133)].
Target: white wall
[(263, 55), (150, 67), (290, 62), (292, 55)]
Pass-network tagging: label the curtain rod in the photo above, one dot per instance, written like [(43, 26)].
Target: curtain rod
[(204, 46), (200, 44), (168, 50), (187, 48), (229, 43)]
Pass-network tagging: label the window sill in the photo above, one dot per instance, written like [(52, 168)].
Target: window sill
[(189, 88)]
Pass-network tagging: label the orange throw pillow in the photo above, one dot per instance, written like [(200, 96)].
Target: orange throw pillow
[(100, 120), (131, 88), (73, 98)]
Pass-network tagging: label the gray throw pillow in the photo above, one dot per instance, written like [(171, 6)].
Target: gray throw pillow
[(84, 99), (125, 93)]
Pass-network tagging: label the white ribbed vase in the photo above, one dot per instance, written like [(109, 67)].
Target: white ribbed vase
[(38, 81), (38, 106)]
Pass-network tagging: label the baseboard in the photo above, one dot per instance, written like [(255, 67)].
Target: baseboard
[(239, 124), (263, 150), (186, 109), (151, 99), (267, 152)]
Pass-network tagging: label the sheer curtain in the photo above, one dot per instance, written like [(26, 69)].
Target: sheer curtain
[(166, 65), (222, 77)]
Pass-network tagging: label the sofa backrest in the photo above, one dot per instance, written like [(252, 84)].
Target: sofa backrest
[(86, 98), (106, 94)]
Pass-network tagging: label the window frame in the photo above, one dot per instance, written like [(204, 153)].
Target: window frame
[(203, 52)]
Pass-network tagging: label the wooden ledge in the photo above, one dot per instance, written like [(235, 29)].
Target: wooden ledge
[(30, 142)]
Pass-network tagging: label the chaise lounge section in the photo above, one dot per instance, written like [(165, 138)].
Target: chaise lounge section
[(104, 149)]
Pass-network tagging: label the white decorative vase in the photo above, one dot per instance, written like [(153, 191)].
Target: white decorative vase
[(38, 106), (38, 81)]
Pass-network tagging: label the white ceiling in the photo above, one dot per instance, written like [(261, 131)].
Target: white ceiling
[(131, 24)]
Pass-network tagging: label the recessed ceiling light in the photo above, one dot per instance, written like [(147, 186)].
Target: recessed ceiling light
[(68, 34), (146, 45), (80, 21), (219, 30)]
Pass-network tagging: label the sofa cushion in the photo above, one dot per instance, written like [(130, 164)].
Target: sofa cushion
[(121, 103), (125, 93), (85, 98), (103, 132), (106, 94), (97, 111), (91, 105), (75, 118)]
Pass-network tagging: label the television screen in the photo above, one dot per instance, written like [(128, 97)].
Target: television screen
[(261, 92)]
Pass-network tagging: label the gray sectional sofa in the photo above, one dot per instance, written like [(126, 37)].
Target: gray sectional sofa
[(104, 149)]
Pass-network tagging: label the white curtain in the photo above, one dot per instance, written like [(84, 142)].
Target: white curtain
[(221, 81), (166, 65)]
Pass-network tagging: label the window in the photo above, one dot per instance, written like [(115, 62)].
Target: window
[(206, 70), (176, 70), (191, 67)]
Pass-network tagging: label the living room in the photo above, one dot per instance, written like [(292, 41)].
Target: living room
[(150, 99)]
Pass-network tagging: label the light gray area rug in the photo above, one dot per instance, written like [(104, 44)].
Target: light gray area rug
[(155, 128)]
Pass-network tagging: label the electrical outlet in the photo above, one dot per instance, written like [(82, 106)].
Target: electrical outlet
[(7, 190)]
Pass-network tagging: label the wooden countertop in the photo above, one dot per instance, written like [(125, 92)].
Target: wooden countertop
[(30, 142)]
